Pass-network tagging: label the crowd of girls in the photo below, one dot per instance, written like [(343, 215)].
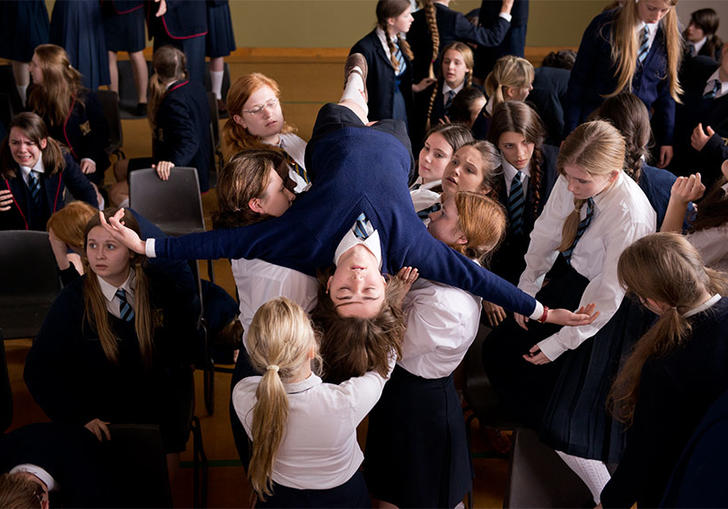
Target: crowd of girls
[(354, 303)]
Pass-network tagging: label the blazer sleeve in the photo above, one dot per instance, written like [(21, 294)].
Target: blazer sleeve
[(77, 183), (489, 36), (581, 77), (94, 145), (714, 153), (664, 115), (179, 132)]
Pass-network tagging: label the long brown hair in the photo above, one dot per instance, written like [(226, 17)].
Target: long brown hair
[(237, 137), (508, 72), (713, 209), (666, 268), (469, 60), (598, 149), (391, 9), (35, 129), (518, 117), (170, 65), (708, 21), (95, 311), (625, 47), (483, 222), (351, 346), (61, 85), (279, 340), (491, 166)]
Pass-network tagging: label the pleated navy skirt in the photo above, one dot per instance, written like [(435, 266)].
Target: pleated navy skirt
[(220, 40), (77, 26), (23, 26), (352, 494), (416, 452), (125, 32)]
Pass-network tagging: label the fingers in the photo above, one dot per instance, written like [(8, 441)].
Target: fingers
[(408, 274), (521, 321), (103, 426), (709, 130), (6, 200)]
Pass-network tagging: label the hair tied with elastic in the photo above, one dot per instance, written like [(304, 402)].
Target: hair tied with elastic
[(272, 367)]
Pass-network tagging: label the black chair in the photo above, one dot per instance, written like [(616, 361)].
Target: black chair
[(30, 282), (110, 103), (6, 392)]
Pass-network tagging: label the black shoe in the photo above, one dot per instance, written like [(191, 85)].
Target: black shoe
[(141, 110)]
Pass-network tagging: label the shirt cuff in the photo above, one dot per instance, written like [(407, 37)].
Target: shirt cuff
[(551, 348), (537, 311), (506, 17), (149, 250), (37, 471)]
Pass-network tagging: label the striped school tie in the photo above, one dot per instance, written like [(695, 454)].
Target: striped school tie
[(644, 44), (126, 313), (448, 101), (583, 225), (516, 203), (401, 63), (300, 170), (710, 94), (362, 227), (34, 186), (692, 51), (425, 213)]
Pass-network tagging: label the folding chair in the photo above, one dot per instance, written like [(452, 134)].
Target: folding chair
[(110, 103), (30, 282)]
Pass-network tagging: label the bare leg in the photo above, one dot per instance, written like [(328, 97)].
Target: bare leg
[(22, 79), (113, 72), (121, 168), (119, 194), (141, 74)]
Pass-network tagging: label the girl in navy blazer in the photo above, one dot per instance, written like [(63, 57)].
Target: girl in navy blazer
[(635, 48), (72, 113), (677, 369), (700, 35), (29, 150)]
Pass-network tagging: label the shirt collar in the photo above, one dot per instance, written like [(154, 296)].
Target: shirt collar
[(303, 385), (605, 194), (446, 88), (652, 27), (350, 240), (39, 168), (702, 307), (109, 291), (709, 84), (510, 170), (699, 45)]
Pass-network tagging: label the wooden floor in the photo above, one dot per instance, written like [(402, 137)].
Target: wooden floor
[(306, 84)]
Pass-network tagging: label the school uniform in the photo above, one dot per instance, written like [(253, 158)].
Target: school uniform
[(700, 48), (317, 462), (451, 26), (124, 25), (23, 26), (182, 131), (419, 405), (389, 92), (353, 170), (426, 198), (530, 391), (184, 26), (481, 126), (78, 27), (508, 261), (676, 390), (444, 96), (593, 77), (73, 382), (657, 183), (295, 149), (85, 132), (27, 214), (514, 41), (548, 98), (220, 39)]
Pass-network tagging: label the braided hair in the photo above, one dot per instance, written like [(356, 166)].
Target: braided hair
[(391, 9), (431, 17)]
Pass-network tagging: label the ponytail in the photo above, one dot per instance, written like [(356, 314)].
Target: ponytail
[(571, 225)]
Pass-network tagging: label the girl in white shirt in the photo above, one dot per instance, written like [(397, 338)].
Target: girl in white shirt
[(305, 451), (558, 378)]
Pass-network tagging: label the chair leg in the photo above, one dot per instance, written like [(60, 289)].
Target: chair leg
[(209, 384), (199, 466)]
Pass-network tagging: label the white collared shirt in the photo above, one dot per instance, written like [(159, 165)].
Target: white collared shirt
[(702, 307), (650, 38), (698, 45), (446, 88), (383, 39), (295, 146), (442, 322), (109, 292), (710, 84), (622, 214), (319, 449), (25, 171), (350, 240), (510, 171), (423, 197), (259, 281)]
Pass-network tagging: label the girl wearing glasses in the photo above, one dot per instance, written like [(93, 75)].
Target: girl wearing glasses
[(180, 120), (256, 122)]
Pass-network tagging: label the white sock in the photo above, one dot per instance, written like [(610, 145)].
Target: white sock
[(216, 83), (594, 473), (354, 90), (22, 92)]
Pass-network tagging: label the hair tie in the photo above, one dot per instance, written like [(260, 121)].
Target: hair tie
[(272, 367)]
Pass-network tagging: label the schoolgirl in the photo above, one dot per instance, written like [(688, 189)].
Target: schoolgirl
[(700, 35), (256, 122), (678, 364), (419, 405), (600, 211), (303, 431), (510, 80), (219, 42), (179, 116), (72, 113), (78, 27), (35, 173), (124, 31), (466, 106), (116, 346), (633, 48), (472, 168), (523, 187)]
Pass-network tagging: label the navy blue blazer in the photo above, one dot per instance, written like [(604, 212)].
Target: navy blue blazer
[(24, 215), (182, 133), (490, 9), (548, 98), (656, 184), (23, 26), (381, 79), (451, 26), (593, 76), (184, 19), (355, 170)]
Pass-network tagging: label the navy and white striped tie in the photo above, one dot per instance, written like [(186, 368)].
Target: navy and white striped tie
[(448, 101), (363, 227), (516, 203), (710, 94), (401, 63), (583, 225), (34, 186), (425, 213), (126, 312), (644, 44)]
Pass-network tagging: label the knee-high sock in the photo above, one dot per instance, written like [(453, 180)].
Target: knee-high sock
[(594, 473), (354, 90), (216, 83)]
